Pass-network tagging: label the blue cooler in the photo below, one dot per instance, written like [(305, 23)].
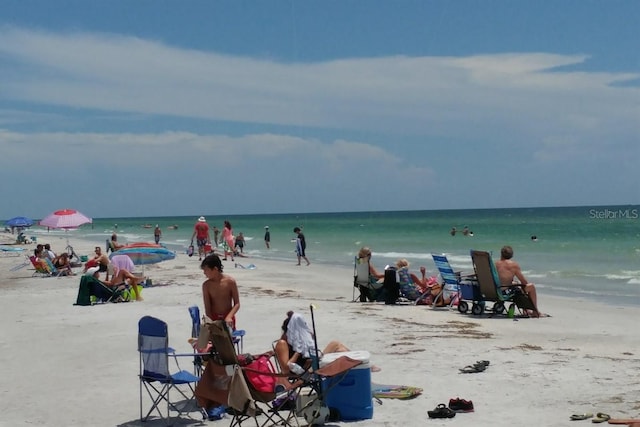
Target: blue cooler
[(350, 393), (470, 291)]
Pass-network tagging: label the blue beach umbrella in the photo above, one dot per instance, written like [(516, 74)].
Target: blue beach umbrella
[(19, 221)]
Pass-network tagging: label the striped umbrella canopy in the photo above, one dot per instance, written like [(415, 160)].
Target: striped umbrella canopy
[(143, 255), (65, 218)]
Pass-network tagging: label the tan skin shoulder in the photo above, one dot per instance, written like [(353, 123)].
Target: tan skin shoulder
[(508, 270)]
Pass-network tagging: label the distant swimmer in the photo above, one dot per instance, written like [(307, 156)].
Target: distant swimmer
[(453, 231), (534, 238), (465, 231)]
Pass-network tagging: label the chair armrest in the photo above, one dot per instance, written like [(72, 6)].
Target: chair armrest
[(461, 274)]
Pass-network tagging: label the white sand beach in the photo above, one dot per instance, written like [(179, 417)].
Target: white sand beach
[(66, 365)]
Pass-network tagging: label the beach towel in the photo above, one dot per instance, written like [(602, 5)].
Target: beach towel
[(384, 391), (300, 336)]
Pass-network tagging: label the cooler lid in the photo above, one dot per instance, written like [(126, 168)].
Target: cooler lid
[(360, 355)]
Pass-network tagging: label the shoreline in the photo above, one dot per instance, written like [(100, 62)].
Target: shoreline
[(579, 360)]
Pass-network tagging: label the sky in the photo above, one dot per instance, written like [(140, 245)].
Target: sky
[(127, 108)]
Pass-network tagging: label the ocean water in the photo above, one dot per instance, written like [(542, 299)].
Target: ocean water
[(592, 252)]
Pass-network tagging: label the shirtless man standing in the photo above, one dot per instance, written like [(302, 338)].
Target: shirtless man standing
[(219, 291), (508, 269)]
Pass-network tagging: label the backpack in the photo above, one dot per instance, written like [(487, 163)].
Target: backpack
[(260, 374)]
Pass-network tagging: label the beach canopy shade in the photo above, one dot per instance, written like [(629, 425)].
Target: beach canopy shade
[(143, 255), (65, 218), (19, 221)]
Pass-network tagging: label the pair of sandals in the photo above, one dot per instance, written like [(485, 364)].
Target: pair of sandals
[(479, 366), (600, 417)]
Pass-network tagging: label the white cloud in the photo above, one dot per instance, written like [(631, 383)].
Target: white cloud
[(412, 94), (526, 110)]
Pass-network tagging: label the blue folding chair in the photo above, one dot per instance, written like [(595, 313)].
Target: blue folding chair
[(154, 374)]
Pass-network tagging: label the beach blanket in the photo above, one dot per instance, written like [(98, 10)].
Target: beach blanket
[(385, 391)]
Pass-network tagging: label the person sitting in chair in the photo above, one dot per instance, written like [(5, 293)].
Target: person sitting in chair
[(63, 264), (375, 277), (411, 286), (508, 270), (99, 260), (294, 348), (113, 244), (122, 276)]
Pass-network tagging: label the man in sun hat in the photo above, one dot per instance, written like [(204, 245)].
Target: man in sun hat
[(267, 236), (201, 234)]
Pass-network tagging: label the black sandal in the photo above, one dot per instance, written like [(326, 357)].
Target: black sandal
[(472, 369), (441, 411)]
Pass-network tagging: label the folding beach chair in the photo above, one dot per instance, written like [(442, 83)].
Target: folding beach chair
[(362, 282), (492, 290), (453, 282), (154, 374), (40, 267), (93, 291), (53, 269)]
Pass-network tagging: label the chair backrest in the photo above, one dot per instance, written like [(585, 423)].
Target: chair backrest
[(153, 346), (222, 342), (52, 268), (194, 312), (449, 277), (38, 265), (361, 272), (487, 276)]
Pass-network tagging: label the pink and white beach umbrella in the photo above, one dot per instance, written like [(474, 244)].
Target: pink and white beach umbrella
[(65, 218)]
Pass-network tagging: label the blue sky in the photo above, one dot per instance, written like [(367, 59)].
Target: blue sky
[(152, 108)]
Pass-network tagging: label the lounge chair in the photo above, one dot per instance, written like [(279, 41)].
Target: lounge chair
[(457, 284), (492, 290)]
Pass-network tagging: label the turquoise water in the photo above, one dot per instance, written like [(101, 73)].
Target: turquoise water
[(590, 251)]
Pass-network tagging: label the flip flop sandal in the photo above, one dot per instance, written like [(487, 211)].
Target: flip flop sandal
[(472, 369), (580, 417), (441, 411), (601, 417)]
